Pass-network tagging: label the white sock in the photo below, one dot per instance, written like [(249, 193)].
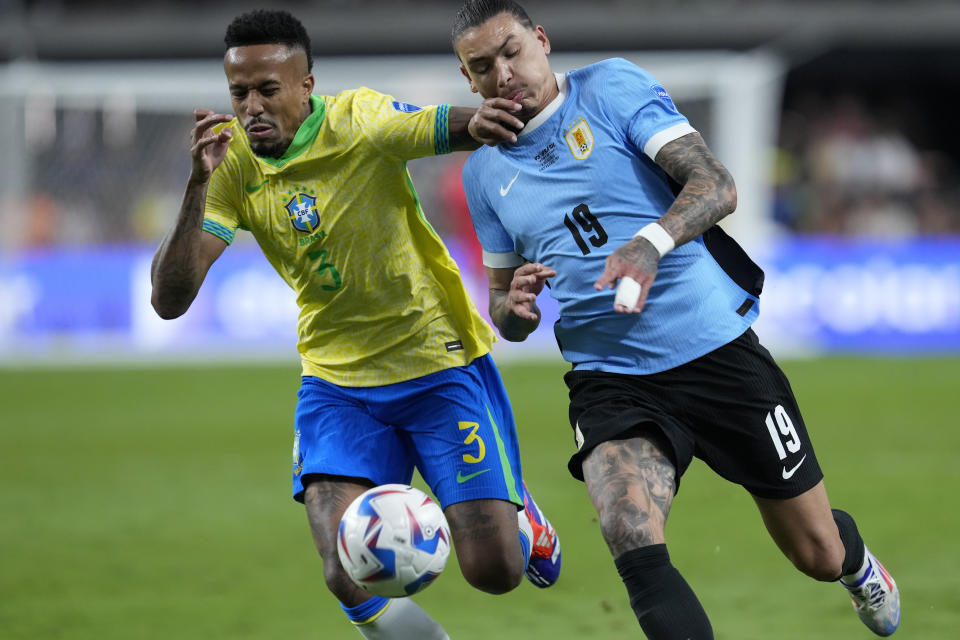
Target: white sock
[(394, 619), (526, 535)]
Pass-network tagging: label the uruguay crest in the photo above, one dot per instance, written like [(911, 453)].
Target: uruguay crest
[(579, 137), (302, 210)]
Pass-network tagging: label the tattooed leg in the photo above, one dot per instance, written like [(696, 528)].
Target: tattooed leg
[(631, 484), (326, 498)]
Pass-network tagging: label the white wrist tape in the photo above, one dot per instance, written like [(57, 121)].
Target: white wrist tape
[(658, 237)]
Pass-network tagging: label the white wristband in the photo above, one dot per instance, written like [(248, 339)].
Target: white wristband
[(658, 237)]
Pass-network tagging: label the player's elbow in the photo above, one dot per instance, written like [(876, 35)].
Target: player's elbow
[(167, 312), (727, 193), (515, 329), (513, 335), (166, 305)]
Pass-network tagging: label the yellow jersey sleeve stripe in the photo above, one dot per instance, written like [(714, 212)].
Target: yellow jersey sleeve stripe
[(441, 144), (224, 233)]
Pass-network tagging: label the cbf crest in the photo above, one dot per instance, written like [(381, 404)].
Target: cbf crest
[(297, 460), (579, 138), (302, 211)]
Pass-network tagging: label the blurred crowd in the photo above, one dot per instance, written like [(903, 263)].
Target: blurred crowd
[(845, 166), (96, 183), (840, 166)]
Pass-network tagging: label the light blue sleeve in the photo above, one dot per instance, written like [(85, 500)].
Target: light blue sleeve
[(636, 100), (490, 231)]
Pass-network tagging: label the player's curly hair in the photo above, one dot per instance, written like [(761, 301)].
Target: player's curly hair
[(267, 26), (473, 13)]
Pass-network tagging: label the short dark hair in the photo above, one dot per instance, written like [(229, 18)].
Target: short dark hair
[(473, 13), (266, 26)]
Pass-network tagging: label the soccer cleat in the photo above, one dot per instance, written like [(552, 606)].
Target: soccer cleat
[(875, 597), (543, 569)]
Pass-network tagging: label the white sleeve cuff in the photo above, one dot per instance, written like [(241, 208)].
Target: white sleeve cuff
[(659, 140), (502, 260)]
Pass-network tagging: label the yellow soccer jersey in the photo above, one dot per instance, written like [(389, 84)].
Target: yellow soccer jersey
[(381, 300)]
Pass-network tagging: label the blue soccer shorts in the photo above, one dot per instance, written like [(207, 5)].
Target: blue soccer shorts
[(455, 426)]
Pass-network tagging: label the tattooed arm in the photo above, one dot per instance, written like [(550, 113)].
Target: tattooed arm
[(708, 195), (186, 253), (460, 138), (184, 257), (513, 298)]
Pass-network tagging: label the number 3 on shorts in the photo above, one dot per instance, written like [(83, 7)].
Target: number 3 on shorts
[(471, 437)]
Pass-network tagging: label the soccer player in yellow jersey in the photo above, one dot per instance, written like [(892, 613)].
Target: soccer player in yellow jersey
[(396, 369)]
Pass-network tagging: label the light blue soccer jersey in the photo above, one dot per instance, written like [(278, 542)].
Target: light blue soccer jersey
[(579, 183)]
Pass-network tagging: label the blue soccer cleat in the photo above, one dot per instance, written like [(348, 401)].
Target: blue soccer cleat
[(875, 597), (543, 569)]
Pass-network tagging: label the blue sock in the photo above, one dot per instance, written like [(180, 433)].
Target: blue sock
[(364, 612), (389, 618)]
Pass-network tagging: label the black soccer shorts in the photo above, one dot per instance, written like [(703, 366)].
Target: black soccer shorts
[(733, 408)]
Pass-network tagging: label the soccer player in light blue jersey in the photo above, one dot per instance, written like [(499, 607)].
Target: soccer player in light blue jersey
[(603, 183)]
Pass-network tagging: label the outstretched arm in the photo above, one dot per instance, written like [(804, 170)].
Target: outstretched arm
[(491, 124), (708, 195), (513, 298), (186, 252)]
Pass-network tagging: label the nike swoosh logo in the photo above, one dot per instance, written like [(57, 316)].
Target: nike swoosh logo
[(253, 188), (505, 190), (789, 474), (463, 478)]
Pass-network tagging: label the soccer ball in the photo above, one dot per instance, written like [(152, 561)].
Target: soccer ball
[(393, 540)]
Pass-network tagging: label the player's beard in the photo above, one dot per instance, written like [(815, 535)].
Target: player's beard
[(269, 149)]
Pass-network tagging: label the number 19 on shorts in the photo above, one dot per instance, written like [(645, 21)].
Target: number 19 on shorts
[(784, 427)]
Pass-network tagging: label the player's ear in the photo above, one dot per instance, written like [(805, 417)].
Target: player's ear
[(308, 84), (466, 75), (542, 38)]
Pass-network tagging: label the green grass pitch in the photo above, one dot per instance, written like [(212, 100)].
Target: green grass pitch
[(154, 503)]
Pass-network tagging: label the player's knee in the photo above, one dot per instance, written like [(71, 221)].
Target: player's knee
[(820, 559), (340, 584), (494, 571), (624, 532)]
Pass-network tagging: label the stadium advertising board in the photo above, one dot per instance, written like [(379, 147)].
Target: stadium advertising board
[(821, 296)]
